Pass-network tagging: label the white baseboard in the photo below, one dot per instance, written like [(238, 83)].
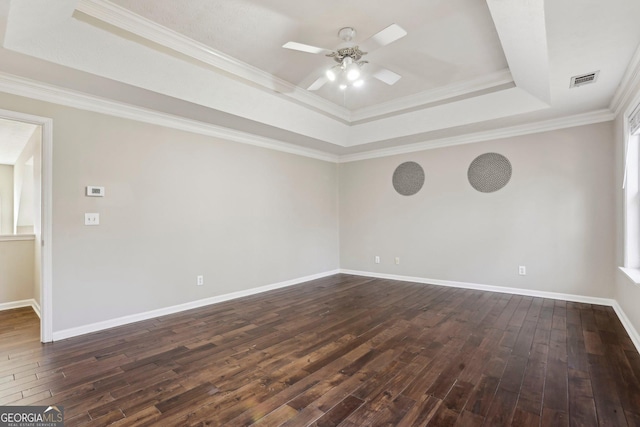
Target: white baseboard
[(94, 327), (19, 304), (107, 324), (633, 334), (36, 307), (501, 289)]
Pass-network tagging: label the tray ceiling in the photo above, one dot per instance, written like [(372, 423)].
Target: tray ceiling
[(467, 66)]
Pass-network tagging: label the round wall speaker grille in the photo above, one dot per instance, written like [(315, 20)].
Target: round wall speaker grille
[(489, 172), (408, 178)]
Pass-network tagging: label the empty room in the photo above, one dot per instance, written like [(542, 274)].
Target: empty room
[(281, 213)]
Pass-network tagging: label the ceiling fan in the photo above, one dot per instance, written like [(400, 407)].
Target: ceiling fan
[(348, 55)]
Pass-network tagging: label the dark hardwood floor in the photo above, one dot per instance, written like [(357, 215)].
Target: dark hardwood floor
[(343, 350)]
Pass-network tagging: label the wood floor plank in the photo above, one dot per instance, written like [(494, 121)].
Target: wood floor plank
[(524, 418), (342, 350), (338, 413), (582, 409), (605, 393), (421, 412), (502, 409)]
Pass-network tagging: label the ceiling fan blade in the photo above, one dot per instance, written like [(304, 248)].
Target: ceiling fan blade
[(318, 83), (305, 48), (390, 34), (386, 76)]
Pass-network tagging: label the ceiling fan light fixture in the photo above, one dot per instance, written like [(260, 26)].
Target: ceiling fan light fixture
[(348, 56), (331, 74), (353, 72)]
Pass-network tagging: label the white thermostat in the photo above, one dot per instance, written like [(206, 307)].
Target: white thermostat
[(95, 191)]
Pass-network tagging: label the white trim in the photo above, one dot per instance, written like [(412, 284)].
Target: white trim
[(632, 273), (630, 80), (29, 88), (48, 93), (443, 93), (98, 326), (20, 304), (46, 276), (36, 308), (16, 237), (629, 203), (628, 326), (502, 289), (530, 128), (46, 270)]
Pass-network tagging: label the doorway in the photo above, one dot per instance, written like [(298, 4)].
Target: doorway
[(26, 214)]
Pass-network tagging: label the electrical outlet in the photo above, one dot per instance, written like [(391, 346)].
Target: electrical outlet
[(200, 280), (522, 270), (91, 219), (377, 259), (397, 260)]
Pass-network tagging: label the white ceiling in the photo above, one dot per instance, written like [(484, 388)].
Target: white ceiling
[(13, 138), (467, 66)]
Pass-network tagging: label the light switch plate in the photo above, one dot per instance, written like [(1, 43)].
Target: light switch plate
[(93, 191)]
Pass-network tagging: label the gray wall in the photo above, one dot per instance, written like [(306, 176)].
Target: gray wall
[(26, 184), (177, 205), (27, 202), (556, 215), (16, 270)]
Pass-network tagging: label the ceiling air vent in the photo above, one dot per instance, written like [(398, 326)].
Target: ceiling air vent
[(584, 79)]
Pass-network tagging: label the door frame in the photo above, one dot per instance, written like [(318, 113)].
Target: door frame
[(46, 255)]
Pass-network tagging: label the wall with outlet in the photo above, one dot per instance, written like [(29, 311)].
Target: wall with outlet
[(177, 205), (187, 217), (551, 228)]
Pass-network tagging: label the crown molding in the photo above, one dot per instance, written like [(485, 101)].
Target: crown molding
[(44, 92), (31, 89), (128, 21), (443, 93), (599, 116), (630, 80)]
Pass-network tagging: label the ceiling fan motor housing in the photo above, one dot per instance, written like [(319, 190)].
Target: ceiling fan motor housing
[(353, 52)]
